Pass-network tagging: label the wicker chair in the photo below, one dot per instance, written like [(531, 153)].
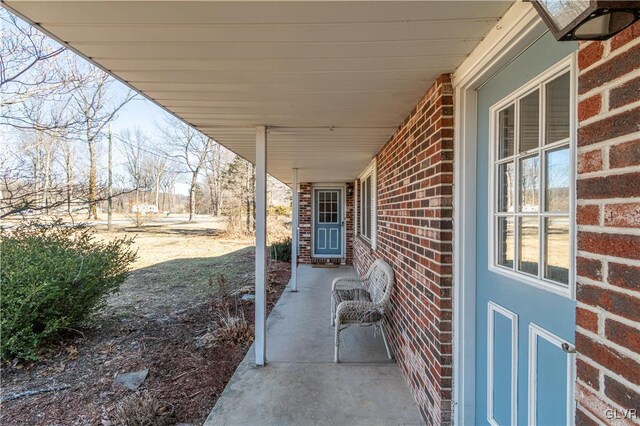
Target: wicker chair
[(361, 301)]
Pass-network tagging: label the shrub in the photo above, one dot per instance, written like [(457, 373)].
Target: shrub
[(53, 276), (281, 251), (233, 329), (280, 210), (142, 409)]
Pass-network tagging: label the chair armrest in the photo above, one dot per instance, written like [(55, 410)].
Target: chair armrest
[(348, 282)]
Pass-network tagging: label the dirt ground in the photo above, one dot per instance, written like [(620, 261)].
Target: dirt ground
[(160, 321)]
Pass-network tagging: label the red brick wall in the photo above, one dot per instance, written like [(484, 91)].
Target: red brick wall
[(305, 223), (608, 217), (349, 222), (414, 189), (306, 230)]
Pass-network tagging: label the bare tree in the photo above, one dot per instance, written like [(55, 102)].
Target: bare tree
[(35, 82), (238, 184), (97, 106), (168, 184), (214, 178), (68, 150), (133, 148), (158, 169), (190, 148)]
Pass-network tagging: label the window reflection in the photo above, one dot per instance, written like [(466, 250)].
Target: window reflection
[(506, 241), (529, 245), (557, 180), (533, 182), (506, 177), (529, 183), (557, 251)]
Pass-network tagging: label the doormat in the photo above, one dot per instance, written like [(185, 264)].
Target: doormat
[(325, 265)]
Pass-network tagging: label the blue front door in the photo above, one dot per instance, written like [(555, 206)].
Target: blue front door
[(525, 310), (327, 222)]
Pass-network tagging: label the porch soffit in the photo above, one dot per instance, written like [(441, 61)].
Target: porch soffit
[(333, 80)]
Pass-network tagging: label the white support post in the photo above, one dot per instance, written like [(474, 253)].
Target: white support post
[(261, 244), (294, 231)]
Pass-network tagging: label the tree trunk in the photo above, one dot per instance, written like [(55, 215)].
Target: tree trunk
[(157, 192), (192, 198), (69, 172), (110, 181), (93, 207), (37, 168), (172, 200), (214, 191), (46, 179)]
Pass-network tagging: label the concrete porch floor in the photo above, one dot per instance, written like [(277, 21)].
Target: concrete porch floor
[(300, 385)]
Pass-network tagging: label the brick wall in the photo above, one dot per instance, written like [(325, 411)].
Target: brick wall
[(305, 223), (414, 189), (349, 222), (306, 228), (608, 217)]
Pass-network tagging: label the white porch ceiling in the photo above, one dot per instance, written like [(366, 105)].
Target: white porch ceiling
[(333, 80)]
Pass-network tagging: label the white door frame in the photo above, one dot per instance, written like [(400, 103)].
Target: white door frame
[(343, 220), (520, 27)]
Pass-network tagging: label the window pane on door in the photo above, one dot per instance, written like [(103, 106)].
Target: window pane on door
[(556, 265), (529, 246), (506, 241), (529, 183), (558, 109), (506, 186), (506, 132), (529, 121), (557, 180)]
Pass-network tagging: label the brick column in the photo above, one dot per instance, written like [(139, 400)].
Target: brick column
[(349, 212), (608, 218), (305, 223)]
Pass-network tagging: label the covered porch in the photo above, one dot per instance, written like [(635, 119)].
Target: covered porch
[(300, 383), (310, 93)]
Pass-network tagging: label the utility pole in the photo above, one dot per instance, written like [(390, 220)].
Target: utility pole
[(109, 182)]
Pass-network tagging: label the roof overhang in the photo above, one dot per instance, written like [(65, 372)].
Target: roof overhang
[(332, 80)]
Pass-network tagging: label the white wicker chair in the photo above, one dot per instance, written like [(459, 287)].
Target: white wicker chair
[(361, 301)]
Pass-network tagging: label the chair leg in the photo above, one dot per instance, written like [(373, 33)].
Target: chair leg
[(336, 356), (386, 345), (333, 311)]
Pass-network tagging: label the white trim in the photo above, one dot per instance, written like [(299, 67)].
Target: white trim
[(573, 152), (356, 188), (492, 308), (342, 187), (370, 170), (537, 83), (331, 231), (519, 27), (322, 240), (536, 331), (261, 246), (295, 229)]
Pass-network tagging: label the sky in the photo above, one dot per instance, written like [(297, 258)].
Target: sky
[(140, 113), (143, 114)]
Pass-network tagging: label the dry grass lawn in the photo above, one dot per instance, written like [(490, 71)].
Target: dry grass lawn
[(159, 321)]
